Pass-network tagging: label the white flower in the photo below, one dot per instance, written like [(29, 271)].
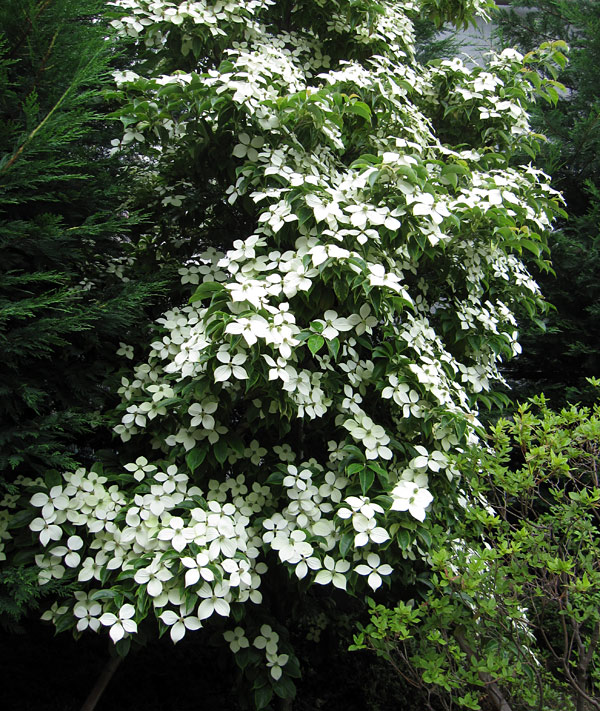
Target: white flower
[(251, 329), (410, 497), (435, 460), (177, 532), (333, 572), (249, 290), (202, 413), (69, 552), (232, 366), (333, 324), (197, 568), (374, 570), (373, 437), (368, 531), (379, 277), (275, 662), (140, 468), (237, 639), (87, 615), (352, 400), (424, 204), (125, 350), (48, 531), (54, 500), (50, 567), (160, 392), (246, 148), (267, 640), (122, 625), (254, 452), (299, 479), (153, 576), (57, 611), (215, 600), (279, 369), (330, 212), (363, 322), (180, 623), (360, 504)]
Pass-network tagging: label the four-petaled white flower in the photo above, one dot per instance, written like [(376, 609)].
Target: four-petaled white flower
[(153, 576), (177, 532), (214, 600), (231, 366), (408, 496), (374, 569), (237, 639), (180, 623), (267, 640), (246, 148), (333, 572), (373, 437), (120, 625), (332, 324), (435, 460), (201, 413), (140, 468), (197, 568), (250, 328), (54, 500), (275, 662), (69, 552)]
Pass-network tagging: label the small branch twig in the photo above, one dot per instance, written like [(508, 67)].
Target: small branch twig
[(494, 692)]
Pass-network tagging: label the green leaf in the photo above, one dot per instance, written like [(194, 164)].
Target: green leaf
[(243, 657), (354, 468), (345, 543), (404, 539), (262, 697), (195, 458), (104, 595), (341, 289), (24, 558), (315, 343), (123, 646), (285, 688), (275, 478), (21, 518), (221, 450), (360, 109), (207, 288), (367, 477), (381, 474), (424, 536), (53, 478), (373, 175), (333, 347)]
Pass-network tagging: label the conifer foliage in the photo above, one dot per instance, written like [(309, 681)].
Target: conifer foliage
[(296, 412), (65, 299)]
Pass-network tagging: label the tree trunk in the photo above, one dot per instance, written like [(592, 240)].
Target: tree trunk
[(107, 673)]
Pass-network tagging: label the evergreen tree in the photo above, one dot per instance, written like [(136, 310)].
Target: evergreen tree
[(559, 360), (66, 242)]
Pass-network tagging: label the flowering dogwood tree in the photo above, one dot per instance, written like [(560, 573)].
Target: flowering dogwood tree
[(299, 409)]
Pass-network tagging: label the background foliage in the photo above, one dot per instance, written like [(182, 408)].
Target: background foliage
[(558, 361)]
